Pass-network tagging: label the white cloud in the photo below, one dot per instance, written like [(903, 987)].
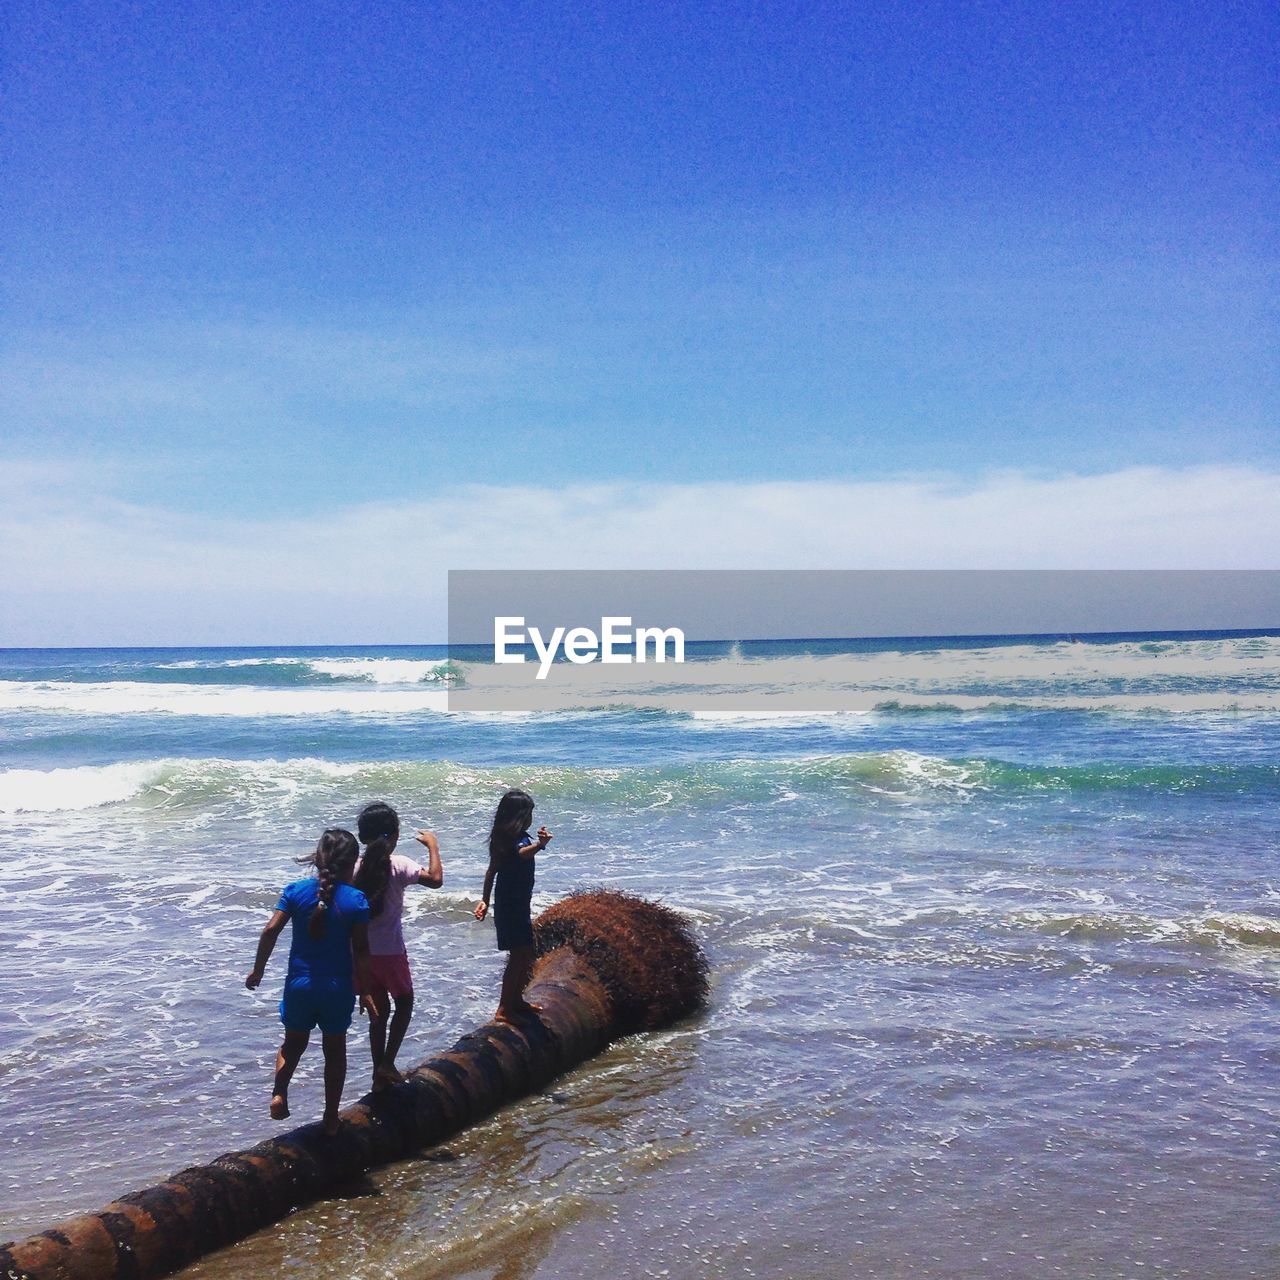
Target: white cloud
[(254, 372), (81, 568)]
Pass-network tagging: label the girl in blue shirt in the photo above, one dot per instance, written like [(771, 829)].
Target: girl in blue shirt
[(330, 938)]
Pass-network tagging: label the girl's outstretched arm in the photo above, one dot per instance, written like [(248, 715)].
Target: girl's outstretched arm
[(433, 876), (266, 945)]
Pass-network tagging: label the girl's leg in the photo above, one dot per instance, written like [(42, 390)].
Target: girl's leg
[(511, 1003), (395, 1038), (286, 1064), (378, 1030), (335, 1076)]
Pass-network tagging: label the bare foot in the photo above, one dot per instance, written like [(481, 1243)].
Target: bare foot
[(331, 1124), (385, 1076), (279, 1107), (517, 1012)]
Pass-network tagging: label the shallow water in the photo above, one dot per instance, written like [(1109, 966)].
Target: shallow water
[(994, 990)]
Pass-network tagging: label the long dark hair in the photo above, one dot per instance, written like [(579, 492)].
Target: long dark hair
[(510, 822), (379, 829), (335, 855)]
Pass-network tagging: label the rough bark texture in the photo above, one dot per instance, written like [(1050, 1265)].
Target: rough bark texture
[(609, 964)]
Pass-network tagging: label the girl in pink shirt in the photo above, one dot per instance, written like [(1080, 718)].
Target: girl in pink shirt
[(382, 876)]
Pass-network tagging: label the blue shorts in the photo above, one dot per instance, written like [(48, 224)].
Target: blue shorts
[(329, 1005), (515, 928)]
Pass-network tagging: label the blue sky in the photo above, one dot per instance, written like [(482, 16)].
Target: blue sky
[(299, 260)]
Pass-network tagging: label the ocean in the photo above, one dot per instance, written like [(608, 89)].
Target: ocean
[(995, 959)]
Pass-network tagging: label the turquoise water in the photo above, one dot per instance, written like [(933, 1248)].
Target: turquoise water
[(996, 961)]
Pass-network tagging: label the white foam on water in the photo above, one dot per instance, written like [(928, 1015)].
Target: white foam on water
[(1244, 928), (777, 719), (383, 670), (136, 698), (932, 772), (393, 671), (171, 780), (214, 664), (87, 787)]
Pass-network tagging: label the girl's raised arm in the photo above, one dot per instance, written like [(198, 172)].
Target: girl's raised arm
[(433, 876), (535, 847)]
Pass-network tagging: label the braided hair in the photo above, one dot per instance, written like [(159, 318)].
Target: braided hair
[(379, 829), (335, 855)]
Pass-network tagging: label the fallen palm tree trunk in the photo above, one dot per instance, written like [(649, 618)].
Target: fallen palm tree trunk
[(609, 964)]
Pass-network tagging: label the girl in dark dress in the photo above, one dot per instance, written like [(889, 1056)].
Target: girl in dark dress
[(509, 881)]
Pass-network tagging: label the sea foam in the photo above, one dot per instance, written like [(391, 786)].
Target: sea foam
[(86, 787), (138, 698)]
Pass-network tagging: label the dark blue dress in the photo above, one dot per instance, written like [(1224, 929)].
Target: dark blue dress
[(512, 898)]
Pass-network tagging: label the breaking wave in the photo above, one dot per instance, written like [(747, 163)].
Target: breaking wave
[(143, 698), (176, 782)]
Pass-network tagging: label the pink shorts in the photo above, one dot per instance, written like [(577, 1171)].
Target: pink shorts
[(390, 975)]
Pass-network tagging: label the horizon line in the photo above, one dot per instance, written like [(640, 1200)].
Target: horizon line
[(1083, 636)]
